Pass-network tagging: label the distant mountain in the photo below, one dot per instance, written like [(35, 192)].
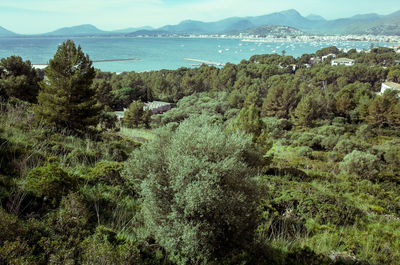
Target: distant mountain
[(344, 25), (314, 17), (80, 30), (270, 30), (129, 30), (148, 33), (257, 25), (358, 24), (384, 25), (6, 33), (290, 18)]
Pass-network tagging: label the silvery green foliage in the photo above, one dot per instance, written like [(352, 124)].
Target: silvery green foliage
[(360, 163), (197, 189)]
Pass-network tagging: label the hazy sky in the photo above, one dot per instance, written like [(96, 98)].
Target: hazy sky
[(39, 16)]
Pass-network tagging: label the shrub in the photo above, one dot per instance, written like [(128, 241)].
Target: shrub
[(307, 139), (103, 247), (360, 163), (197, 189), (17, 252), (304, 151), (83, 156), (108, 172), (346, 145), (50, 182)]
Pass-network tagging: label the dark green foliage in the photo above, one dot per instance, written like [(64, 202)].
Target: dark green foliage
[(331, 169), (213, 104), (49, 182), (136, 115), (19, 79), (249, 121), (103, 93), (305, 112), (327, 50), (107, 172), (67, 99), (198, 196), (394, 75), (282, 97), (383, 110)]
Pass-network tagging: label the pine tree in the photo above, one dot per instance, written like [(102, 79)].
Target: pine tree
[(134, 115), (249, 121), (305, 112), (66, 99)]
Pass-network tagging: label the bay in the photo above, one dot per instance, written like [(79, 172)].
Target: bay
[(160, 53)]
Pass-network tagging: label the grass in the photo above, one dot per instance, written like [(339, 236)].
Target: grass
[(138, 134)]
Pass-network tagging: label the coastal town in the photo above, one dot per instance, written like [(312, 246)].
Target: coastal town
[(299, 38)]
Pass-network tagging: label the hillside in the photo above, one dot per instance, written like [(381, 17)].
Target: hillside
[(5, 32), (289, 18), (256, 163), (86, 29), (373, 23), (147, 33), (269, 30), (386, 25), (358, 24), (129, 30)]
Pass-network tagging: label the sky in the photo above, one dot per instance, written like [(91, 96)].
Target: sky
[(40, 16)]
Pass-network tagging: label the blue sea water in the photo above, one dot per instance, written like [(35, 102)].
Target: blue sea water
[(159, 53)]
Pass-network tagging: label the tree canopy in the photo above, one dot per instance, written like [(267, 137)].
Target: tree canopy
[(67, 99)]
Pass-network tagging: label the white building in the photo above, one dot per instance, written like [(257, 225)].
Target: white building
[(395, 47), (343, 61), (157, 107), (389, 85)]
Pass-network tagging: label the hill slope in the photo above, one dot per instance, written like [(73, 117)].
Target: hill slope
[(86, 29), (5, 32), (270, 30)]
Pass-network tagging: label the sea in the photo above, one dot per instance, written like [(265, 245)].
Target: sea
[(162, 53)]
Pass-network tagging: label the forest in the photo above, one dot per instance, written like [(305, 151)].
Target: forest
[(274, 160)]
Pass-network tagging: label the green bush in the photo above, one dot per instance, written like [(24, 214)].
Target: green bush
[(18, 253), (107, 172), (50, 182), (103, 247), (304, 151), (197, 189), (360, 163), (346, 145), (307, 139)]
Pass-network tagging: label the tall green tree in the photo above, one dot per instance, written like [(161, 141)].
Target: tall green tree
[(249, 121), (305, 112), (19, 79), (381, 107), (133, 115), (67, 99), (282, 97)]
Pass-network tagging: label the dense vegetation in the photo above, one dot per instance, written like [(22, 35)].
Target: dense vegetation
[(258, 163)]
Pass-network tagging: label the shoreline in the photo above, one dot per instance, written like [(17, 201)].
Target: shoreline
[(250, 38)]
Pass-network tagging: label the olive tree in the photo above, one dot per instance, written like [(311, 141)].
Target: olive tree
[(197, 189)]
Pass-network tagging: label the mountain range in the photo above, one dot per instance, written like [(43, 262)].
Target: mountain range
[(373, 23), (5, 32)]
